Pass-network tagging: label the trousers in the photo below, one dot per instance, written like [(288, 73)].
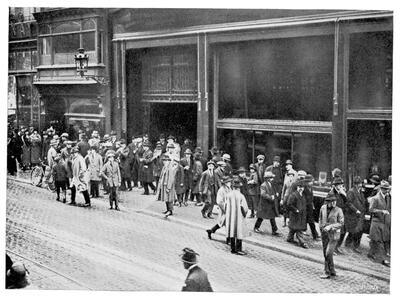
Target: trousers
[(328, 247)]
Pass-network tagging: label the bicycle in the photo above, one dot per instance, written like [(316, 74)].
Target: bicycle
[(42, 178)]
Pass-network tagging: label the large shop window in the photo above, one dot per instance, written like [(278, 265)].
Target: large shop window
[(369, 145), (309, 152), (277, 79), (65, 39), (370, 70), (169, 74)]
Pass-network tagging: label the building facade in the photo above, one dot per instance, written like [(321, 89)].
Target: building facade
[(313, 86)]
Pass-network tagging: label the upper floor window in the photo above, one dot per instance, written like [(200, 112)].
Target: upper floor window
[(59, 42)]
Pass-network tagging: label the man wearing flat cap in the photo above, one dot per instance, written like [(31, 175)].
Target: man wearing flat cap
[(208, 187), (197, 279), (297, 207), (379, 234), (277, 183), (331, 220), (187, 164), (354, 214), (111, 172)]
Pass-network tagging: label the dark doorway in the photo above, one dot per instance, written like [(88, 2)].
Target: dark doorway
[(177, 119)]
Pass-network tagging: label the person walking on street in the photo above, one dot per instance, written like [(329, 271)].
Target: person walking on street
[(197, 171), (196, 280), (286, 191), (277, 183), (228, 167), (339, 191), (95, 163), (331, 220), (297, 214), (166, 189), (222, 195), (80, 175), (146, 166), (379, 232), (209, 185), (253, 189), (236, 210), (309, 194), (354, 214), (179, 183), (266, 206), (60, 176), (111, 172), (187, 164)]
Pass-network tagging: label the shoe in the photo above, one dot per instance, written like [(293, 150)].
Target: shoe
[(111, 208), (371, 257), (209, 232), (106, 193), (276, 234), (339, 251), (318, 238), (356, 250), (87, 205), (210, 216), (64, 201), (204, 215), (386, 263), (58, 199), (145, 194), (257, 230), (165, 212), (325, 276), (168, 214), (290, 240), (251, 216), (233, 252), (117, 208), (72, 203), (227, 241), (303, 245), (185, 203), (241, 253), (198, 204), (130, 189)]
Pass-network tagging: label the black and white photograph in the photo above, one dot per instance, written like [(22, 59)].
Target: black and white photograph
[(198, 148)]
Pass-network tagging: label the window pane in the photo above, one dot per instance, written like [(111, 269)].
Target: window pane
[(12, 61), (277, 79), (88, 24), (44, 29), (370, 70), (67, 27), (88, 41), (44, 50), (65, 47)]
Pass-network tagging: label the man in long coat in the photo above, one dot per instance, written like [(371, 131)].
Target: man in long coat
[(297, 214), (209, 185), (187, 164), (309, 194), (80, 175), (197, 171), (266, 206), (125, 166), (222, 195), (260, 167), (111, 172), (36, 148), (95, 163), (146, 167), (354, 214), (196, 280), (253, 188), (379, 234), (276, 169), (166, 188), (236, 210)]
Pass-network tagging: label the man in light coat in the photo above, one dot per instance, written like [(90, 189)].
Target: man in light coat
[(222, 195), (379, 233), (80, 175), (111, 172), (236, 210), (95, 163), (331, 220), (166, 190)]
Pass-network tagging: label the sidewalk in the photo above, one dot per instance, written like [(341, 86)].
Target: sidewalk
[(191, 216)]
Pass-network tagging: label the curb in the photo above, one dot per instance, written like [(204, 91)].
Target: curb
[(295, 253)]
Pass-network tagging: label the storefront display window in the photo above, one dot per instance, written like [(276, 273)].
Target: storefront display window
[(85, 106), (370, 70), (369, 145), (288, 79)]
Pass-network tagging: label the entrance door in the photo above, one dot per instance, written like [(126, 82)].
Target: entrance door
[(177, 119)]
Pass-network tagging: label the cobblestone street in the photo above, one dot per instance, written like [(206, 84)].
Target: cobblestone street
[(70, 247)]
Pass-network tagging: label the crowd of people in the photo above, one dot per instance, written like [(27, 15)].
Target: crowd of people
[(177, 174)]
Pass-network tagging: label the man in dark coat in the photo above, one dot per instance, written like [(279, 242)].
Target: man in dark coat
[(260, 167), (146, 167), (276, 169), (308, 193), (297, 214), (266, 206), (83, 145), (208, 187), (187, 164), (354, 214), (197, 280)]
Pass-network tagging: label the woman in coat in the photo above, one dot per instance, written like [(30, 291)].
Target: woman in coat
[(36, 148), (297, 213), (236, 210)]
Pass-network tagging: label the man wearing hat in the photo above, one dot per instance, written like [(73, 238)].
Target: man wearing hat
[(227, 159), (276, 169), (60, 177), (379, 233), (297, 214), (80, 175), (209, 185), (241, 172), (95, 139), (286, 191), (215, 154), (260, 167), (52, 153), (64, 138), (187, 164), (253, 189), (202, 158), (125, 165), (157, 162), (166, 190), (220, 170), (186, 145), (266, 206), (83, 145), (338, 190), (354, 214), (236, 210), (146, 168), (163, 143), (94, 162), (16, 277), (222, 195), (197, 171), (172, 141), (197, 279), (331, 221), (111, 172), (309, 194)]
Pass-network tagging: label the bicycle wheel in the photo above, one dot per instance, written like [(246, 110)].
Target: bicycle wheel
[(36, 175)]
